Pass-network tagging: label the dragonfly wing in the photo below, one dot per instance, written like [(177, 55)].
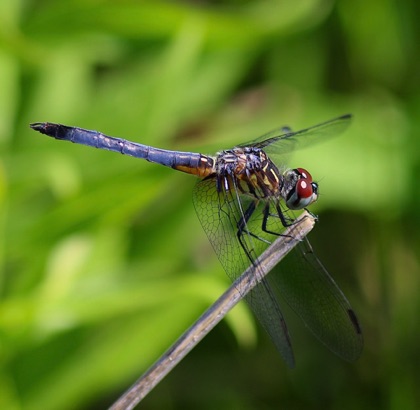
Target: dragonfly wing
[(311, 292), (219, 214), (263, 302), (279, 145)]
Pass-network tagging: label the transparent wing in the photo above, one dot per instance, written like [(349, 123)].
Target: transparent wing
[(279, 144), (219, 215), (304, 283), (307, 287)]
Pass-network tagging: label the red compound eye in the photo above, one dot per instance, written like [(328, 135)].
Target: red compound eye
[(304, 192), (304, 174), (304, 188)]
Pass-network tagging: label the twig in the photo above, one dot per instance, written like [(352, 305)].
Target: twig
[(247, 281)]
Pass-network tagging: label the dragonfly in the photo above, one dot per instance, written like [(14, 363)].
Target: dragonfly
[(245, 198)]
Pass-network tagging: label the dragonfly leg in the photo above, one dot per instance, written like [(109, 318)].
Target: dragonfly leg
[(311, 213), (243, 229), (286, 222)]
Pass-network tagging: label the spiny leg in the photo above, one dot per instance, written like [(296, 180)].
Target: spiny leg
[(243, 229), (266, 214)]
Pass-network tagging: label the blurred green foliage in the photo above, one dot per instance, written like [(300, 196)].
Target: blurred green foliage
[(103, 261)]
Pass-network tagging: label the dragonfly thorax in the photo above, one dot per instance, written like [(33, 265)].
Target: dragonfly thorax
[(250, 170)]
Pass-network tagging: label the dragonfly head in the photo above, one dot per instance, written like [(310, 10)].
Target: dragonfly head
[(303, 191)]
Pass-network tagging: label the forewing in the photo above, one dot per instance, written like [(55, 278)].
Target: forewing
[(279, 144), (219, 214), (308, 288)]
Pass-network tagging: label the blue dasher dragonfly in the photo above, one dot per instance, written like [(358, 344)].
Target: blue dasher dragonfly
[(244, 199)]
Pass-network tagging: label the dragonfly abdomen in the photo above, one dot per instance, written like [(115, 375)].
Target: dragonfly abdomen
[(189, 162)]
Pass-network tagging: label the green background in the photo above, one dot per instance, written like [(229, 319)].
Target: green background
[(103, 261)]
